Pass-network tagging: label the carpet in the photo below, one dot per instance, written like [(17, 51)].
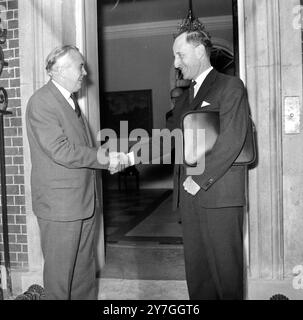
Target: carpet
[(141, 216)]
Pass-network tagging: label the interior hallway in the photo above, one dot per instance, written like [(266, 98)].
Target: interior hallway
[(144, 249)]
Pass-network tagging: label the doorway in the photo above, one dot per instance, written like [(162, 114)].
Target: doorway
[(141, 229)]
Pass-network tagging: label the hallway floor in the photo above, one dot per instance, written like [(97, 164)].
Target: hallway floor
[(144, 250)]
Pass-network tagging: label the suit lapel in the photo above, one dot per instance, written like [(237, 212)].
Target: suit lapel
[(67, 109), (204, 89)]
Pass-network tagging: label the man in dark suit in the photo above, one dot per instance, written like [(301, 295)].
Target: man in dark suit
[(211, 204), (63, 183)]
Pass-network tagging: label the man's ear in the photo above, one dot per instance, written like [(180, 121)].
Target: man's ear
[(58, 70), (57, 73), (200, 51)]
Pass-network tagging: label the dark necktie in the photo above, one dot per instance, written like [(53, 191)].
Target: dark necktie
[(77, 108), (78, 112), (191, 91)]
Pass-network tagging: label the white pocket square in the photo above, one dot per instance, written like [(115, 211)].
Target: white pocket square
[(205, 104)]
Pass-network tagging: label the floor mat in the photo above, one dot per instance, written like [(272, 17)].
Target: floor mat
[(138, 216)]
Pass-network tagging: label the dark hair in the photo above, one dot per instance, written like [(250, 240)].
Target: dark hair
[(198, 37), (196, 33), (57, 53)]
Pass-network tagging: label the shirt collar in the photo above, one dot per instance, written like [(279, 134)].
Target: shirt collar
[(201, 78), (66, 94)]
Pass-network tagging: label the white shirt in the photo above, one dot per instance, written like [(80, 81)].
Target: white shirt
[(201, 79), (66, 94)]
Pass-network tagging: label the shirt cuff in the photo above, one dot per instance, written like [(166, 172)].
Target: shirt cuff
[(131, 158)]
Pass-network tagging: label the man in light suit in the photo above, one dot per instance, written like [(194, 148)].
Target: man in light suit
[(63, 181)]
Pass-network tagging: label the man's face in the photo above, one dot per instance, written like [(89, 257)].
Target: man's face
[(186, 58), (72, 71)]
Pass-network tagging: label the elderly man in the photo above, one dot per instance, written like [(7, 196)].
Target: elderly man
[(63, 181)]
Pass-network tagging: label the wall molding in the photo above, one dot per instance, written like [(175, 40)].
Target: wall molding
[(159, 28), (263, 78), (34, 16), (276, 144)]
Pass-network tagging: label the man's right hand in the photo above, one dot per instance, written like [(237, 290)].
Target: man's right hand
[(118, 161)]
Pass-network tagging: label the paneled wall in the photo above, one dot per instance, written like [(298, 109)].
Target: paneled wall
[(274, 72)]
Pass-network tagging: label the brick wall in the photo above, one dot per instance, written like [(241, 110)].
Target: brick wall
[(10, 80)]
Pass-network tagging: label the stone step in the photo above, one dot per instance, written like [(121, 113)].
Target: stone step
[(121, 289)]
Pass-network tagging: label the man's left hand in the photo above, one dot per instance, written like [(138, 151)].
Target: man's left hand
[(191, 186)]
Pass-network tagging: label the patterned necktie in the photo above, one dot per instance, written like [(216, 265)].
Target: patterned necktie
[(191, 91), (77, 108)]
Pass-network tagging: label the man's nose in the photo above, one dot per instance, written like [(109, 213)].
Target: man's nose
[(177, 63), (84, 72)]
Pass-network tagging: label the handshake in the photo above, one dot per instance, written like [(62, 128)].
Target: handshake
[(118, 161)]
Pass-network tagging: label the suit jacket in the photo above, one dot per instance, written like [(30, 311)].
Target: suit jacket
[(222, 184), (62, 155)]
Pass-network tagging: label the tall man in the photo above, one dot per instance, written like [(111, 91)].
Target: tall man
[(63, 183), (211, 204)]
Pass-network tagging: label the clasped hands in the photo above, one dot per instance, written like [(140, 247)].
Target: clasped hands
[(118, 161)]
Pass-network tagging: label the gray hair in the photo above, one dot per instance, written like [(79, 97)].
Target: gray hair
[(56, 54)]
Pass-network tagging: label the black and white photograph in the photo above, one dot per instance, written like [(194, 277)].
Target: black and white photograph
[(151, 151)]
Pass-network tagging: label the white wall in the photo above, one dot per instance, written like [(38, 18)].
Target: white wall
[(135, 62)]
